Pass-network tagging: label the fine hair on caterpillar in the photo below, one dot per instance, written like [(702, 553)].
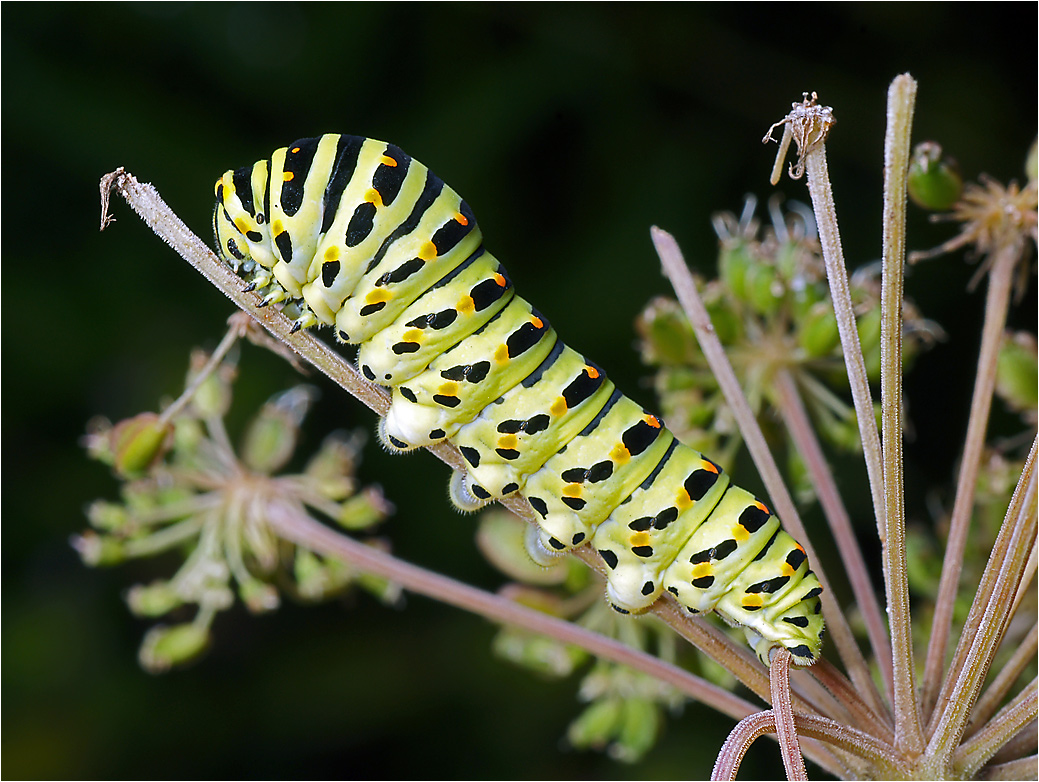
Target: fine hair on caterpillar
[(352, 233)]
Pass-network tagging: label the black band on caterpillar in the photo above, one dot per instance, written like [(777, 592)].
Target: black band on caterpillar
[(353, 233)]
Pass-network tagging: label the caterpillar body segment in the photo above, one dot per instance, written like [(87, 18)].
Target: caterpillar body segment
[(354, 234)]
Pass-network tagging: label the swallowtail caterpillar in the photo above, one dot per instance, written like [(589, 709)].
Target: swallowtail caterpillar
[(352, 233)]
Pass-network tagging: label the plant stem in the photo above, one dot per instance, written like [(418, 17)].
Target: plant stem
[(681, 279), (795, 417), (974, 753), (292, 523), (994, 694), (901, 98), (1001, 279), (779, 678), (999, 584)]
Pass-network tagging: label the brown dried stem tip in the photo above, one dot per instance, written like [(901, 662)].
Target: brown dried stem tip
[(808, 124)]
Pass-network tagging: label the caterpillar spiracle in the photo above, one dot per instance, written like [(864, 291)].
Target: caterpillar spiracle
[(352, 233)]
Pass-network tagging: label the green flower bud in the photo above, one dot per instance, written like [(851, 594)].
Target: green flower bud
[(386, 591), (155, 599), (258, 596), (726, 322), (139, 443), (107, 516), (98, 550), (213, 396), (818, 334), (364, 510), (934, 182), (639, 726), (765, 290), (165, 647), (1017, 370), (332, 467), (734, 263), (538, 653), (667, 337), (595, 727), (271, 437)]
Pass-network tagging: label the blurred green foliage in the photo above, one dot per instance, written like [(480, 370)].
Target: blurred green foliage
[(570, 129)]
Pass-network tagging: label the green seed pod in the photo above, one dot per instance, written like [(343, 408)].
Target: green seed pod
[(364, 510), (734, 262), (165, 647), (595, 727), (258, 596), (139, 443), (639, 726), (1017, 370), (99, 550), (817, 333), (765, 289), (934, 182), (107, 516), (332, 467), (155, 599), (317, 579), (538, 653), (213, 397), (272, 436), (667, 337), (726, 322)]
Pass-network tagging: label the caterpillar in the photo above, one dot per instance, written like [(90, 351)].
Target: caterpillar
[(353, 233)]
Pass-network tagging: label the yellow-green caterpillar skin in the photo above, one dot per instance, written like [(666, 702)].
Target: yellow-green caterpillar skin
[(352, 233)]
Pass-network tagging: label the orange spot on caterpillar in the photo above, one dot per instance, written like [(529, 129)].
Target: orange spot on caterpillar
[(508, 441), (709, 466), (592, 372), (762, 507), (373, 196), (461, 219), (683, 500), (538, 323), (619, 454), (386, 160), (295, 150), (500, 280), (288, 176), (640, 539), (653, 421), (572, 490), (428, 251)]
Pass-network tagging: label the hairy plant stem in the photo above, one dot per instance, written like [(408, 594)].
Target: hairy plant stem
[(779, 677), (901, 99), (145, 200), (881, 757), (977, 750), (1005, 679), (685, 288), (1011, 546), (795, 417), (997, 302), (999, 584)]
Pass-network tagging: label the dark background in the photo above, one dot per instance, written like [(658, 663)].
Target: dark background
[(570, 129)]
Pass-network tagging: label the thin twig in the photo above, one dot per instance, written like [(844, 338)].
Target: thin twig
[(975, 752), (685, 288), (901, 100), (292, 523), (779, 677), (1003, 573), (1023, 656), (795, 417), (997, 302)]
